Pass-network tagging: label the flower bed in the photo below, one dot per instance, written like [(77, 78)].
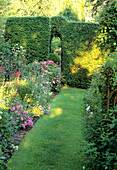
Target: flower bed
[(25, 96)]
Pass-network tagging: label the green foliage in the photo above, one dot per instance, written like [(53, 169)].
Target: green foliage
[(33, 33), (2, 164), (44, 8), (5, 50), (108, 25), (55, 44), (69, 14), (54, 57), (100, 118)]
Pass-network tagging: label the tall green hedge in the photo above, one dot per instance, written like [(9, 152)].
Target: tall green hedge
[(76, 39), (80, 53), (33, 33)]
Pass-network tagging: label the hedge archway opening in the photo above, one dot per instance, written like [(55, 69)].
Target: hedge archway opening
[(56, 44)]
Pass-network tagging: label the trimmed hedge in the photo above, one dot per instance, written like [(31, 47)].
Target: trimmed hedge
[(80, 54), (76, 40), (33, 33)]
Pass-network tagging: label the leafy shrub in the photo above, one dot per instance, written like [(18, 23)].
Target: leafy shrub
[(2, 163), (54, 57), (100, 118), (12, 61), (6, 129)]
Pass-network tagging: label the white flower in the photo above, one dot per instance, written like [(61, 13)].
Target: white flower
[(87, 109), (83, 167), (0, 117), (91, 113), (16, 147)]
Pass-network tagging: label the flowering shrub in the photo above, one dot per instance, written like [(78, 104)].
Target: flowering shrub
[(12, 63), (53, 71), (20, 117), (100, 118)]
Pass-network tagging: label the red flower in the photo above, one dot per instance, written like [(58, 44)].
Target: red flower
[(18, 73)]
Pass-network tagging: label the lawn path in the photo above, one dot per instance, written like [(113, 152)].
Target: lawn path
[(55, 140)]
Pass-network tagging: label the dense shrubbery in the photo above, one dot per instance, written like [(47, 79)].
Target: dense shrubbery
[(108, 24), (54, 57), (100, 118)]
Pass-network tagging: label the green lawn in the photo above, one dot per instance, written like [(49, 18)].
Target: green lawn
[(55, 140)]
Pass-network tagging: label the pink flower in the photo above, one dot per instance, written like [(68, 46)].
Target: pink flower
[(31, 124), (11, 117), (18, 106), (12, 109), (5, 139), (14, 123), (49, 106), (23, 111), (16, 111), (23, 125), (18, 73), (22, 119)]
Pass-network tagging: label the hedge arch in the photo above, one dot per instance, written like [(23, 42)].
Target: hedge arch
[(79, 51)]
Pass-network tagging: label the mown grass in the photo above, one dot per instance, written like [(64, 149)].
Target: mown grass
[(55, 140)]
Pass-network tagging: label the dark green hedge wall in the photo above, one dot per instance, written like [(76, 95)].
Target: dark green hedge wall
[(33, 33), (74, 36), (36, 33)]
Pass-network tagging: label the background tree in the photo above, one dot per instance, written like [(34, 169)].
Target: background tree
[(107, 19), (47, 8)]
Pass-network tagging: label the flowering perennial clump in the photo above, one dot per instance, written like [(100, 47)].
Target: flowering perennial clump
[(19, 116)]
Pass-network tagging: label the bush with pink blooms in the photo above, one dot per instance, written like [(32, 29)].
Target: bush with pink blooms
[(20, 117)]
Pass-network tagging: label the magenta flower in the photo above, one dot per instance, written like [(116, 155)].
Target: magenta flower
[(23, 125), (16, 111), (12, 109), (18, 106), (11, 117), (22, 119)]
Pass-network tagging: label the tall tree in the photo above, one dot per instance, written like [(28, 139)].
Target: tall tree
[(47, 8)]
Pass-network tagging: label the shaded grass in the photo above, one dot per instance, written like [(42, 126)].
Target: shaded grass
[(55, 140)]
